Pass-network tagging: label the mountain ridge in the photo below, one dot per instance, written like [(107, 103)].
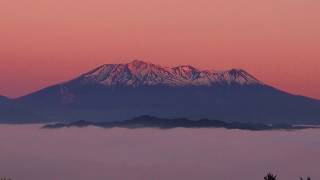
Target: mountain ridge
[(123, 91), (140, 73), (147, 121)]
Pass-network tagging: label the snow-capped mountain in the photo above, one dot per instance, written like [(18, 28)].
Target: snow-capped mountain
[(139, 73), (122, 91)]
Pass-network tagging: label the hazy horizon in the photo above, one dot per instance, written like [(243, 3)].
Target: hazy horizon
[(28, 152)]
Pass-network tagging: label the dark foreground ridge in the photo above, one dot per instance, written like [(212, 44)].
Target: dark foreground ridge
[(163, 123)]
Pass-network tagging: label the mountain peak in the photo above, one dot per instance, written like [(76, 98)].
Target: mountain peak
[(243, 75), (186, 68), (140, 73), (138, 62), (140, 67)]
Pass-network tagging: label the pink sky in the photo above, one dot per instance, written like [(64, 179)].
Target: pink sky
[(43, 42)]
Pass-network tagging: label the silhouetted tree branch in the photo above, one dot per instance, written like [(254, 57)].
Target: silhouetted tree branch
[(270, 177)]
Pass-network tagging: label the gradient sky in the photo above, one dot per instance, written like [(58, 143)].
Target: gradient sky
[(43, 42)]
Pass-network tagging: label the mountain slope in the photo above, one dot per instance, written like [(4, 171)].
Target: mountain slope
[(4, 99), (122, 91)]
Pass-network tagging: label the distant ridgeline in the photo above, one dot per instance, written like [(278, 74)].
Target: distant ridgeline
[(155, 122)]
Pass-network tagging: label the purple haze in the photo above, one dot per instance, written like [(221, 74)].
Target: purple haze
[(28, 152)]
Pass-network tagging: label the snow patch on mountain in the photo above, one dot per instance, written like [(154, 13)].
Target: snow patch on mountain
[(139, 73)]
